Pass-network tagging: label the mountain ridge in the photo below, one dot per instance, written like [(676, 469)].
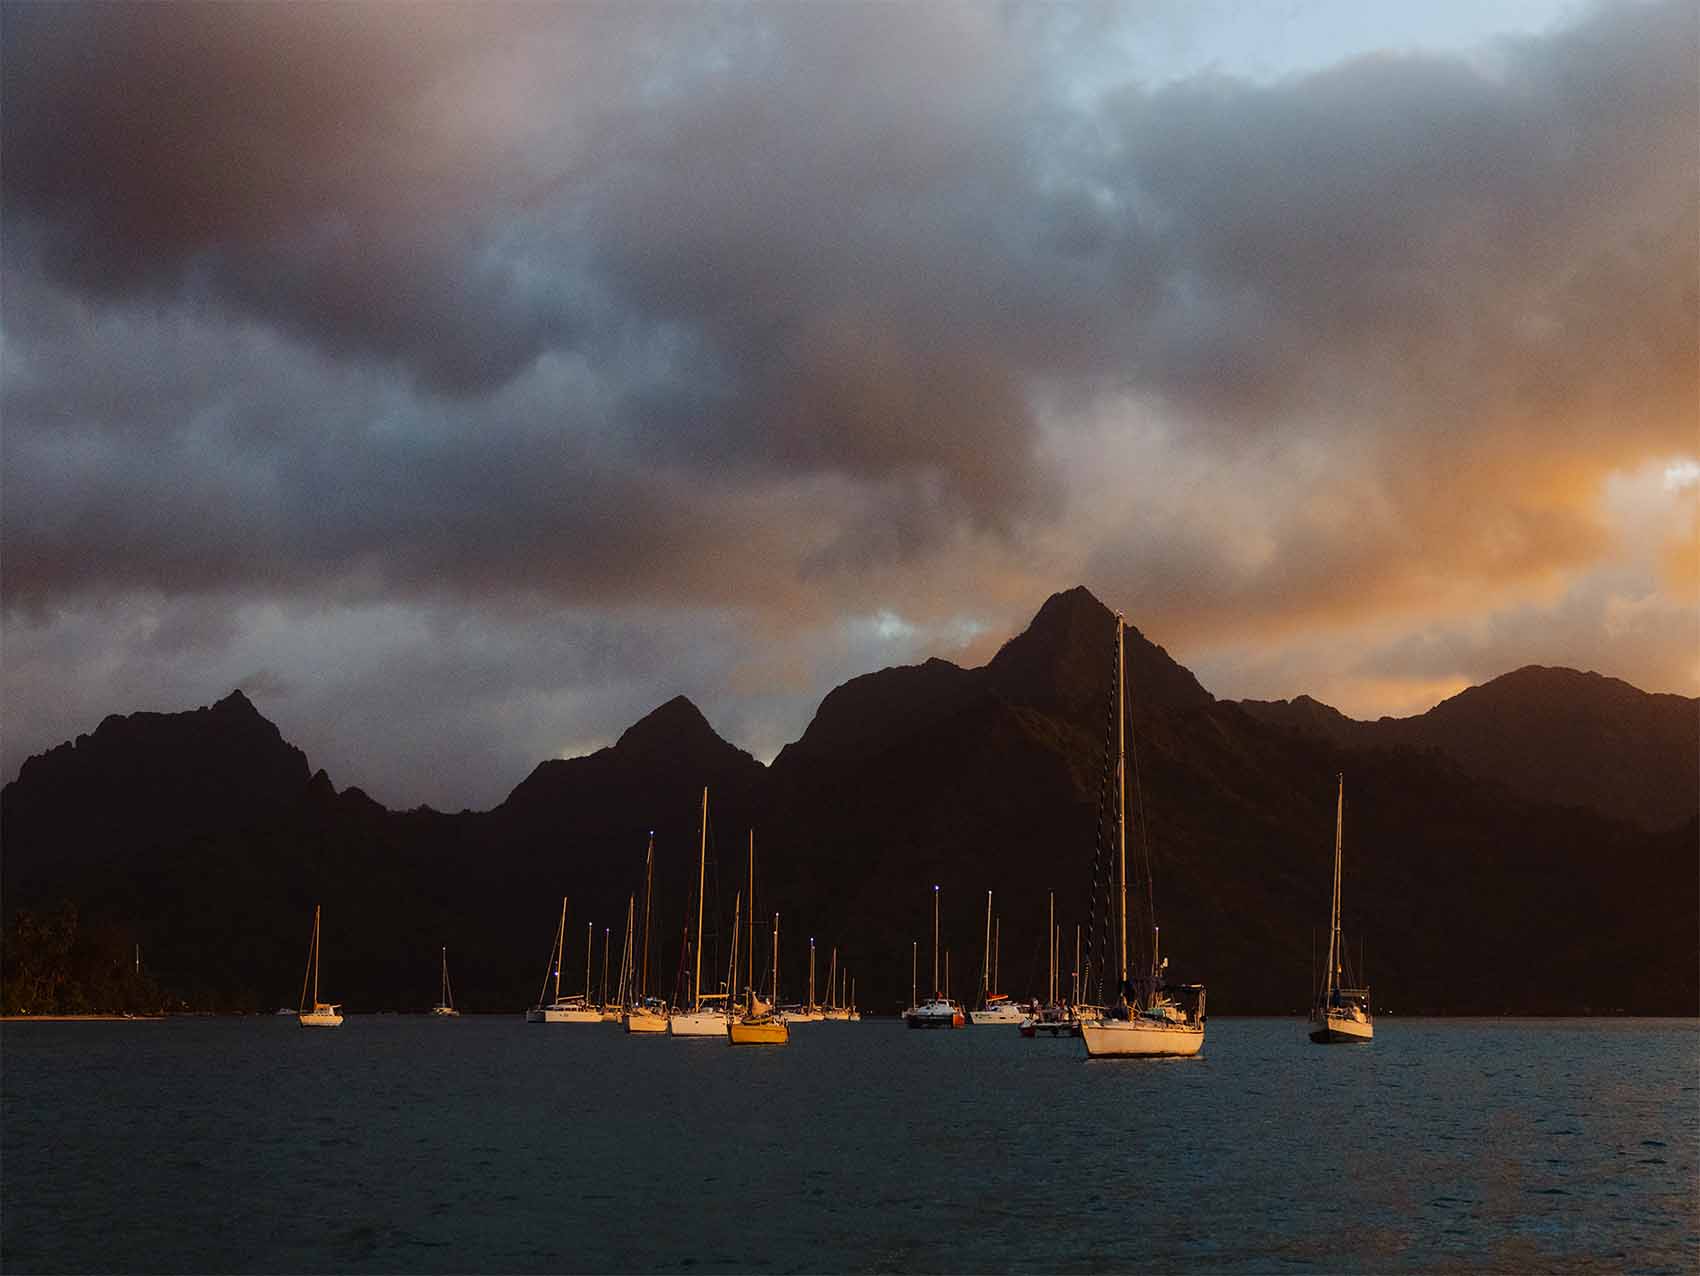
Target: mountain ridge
[(980, 779)]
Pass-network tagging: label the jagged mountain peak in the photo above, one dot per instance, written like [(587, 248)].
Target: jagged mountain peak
[(677, 724), (1063, 660)]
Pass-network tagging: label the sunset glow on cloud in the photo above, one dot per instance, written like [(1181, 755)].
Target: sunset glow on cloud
[(463, 381)]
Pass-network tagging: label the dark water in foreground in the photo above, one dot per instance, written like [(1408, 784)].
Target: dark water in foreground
[(406, 1144)]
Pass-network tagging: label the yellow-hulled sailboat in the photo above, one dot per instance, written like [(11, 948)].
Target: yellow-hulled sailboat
[(758, 1025), (322, 1014)]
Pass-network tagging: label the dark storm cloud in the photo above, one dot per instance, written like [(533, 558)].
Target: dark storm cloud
[(801, 309)]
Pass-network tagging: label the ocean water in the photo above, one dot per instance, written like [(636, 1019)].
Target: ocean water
[(403, 1144)]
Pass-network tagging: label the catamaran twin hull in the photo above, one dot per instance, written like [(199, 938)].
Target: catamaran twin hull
[(1141, 1039)]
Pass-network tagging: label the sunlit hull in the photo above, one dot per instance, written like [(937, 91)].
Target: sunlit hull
[(802, 1016), (321, 1016), (995, 1015), (645, 1021), (563, 1014), (763, 1032), (1338, 1029), (445, 1012), (698, 1023), (1141, 1039)]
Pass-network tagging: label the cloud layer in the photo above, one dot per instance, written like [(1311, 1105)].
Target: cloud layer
[(496, 324)]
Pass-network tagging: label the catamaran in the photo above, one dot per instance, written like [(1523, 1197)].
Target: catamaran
[(938, 1011), (1339, 1014), (445, 1007), (1151, 1018), (708, 1010), (323, 1014)]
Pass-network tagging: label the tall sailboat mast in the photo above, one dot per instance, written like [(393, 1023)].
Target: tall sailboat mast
[(752, 915), (560, 941), (1334, 954), (315, 955), (776, 959), (935, 941), (986, 965), (702, 860), (1121, 786), (589, 935), (648, 883)]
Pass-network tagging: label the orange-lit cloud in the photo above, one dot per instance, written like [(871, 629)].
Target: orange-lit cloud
[(478, 339)]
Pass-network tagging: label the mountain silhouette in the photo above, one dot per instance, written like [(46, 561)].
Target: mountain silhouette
[(1551, 735), (1500, 855)]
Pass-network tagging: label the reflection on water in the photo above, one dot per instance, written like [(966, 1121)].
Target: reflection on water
[(411, 1144)]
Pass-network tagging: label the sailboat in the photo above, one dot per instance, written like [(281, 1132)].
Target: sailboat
[(939, 1011), (646, 1014), (323, 1014), (1054, 1018), (810, 1011), (758, 1025), (445, 1007), (562, 1009), (1150, 1018), (708, 1011), (1340, 1014), (995, 1007)]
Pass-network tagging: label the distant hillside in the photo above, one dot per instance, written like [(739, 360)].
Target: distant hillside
[(1551, 735), (204, 838)]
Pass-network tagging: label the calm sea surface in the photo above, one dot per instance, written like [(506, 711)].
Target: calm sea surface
[(403, 1144)]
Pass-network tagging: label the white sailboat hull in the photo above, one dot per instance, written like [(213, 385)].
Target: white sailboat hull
[(325, 1017), (1338, 1029), (997, 1014), (563, 1014), (698, 1023), (1141, 1039), (645, 1021)]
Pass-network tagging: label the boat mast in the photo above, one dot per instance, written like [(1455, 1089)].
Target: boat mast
[(732, 965), (648, 882), (752, 918), (776, 960), (1051, 952), (811, 972), (1121, 786), (935, 941), (997, 944), (1334, 954), (914, 968), (315, 956), (445, 974), (560, 944), (986, 965), (702, 860), (589, 935), (602, 1003)]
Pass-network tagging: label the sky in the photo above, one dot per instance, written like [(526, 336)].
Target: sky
[(464, 381)]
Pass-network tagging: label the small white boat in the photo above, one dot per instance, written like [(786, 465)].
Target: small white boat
[(1340, 1014), (563, 1009), (323, 1014), (1151, 1018), (445, 1008)]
